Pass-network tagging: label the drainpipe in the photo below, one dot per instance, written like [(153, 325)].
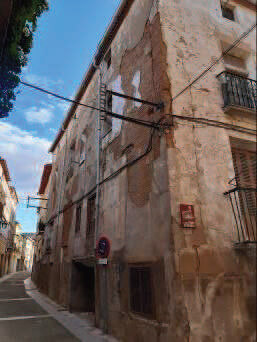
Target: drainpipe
[(98, 159)]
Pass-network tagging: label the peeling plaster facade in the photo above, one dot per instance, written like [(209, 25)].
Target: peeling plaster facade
[(203, 286), (8, 205)]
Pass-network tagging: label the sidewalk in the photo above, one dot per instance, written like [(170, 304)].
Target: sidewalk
[(82, 328), (5, 277)]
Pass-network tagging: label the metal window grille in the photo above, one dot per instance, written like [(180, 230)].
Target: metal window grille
[(91, 215), (141, 293), (238, 91)]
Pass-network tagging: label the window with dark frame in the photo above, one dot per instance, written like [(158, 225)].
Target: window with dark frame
[(228, 12), (245, 170), (78, 218), (141, 290), (70, 168), (108, 58), (108, 119), (91, 215)]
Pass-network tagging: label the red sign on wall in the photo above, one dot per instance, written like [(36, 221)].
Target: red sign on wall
[(187, 216)]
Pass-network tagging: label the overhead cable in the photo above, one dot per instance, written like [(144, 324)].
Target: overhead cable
[(141, 122), (214, 123)]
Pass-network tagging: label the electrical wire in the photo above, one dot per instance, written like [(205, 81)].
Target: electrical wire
[(232, 46), (140, 121), (214, 123), (146, 123)]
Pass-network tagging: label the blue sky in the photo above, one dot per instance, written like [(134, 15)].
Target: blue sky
[(64, 44)]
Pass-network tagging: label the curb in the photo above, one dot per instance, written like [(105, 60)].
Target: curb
[(7, 276), (80, 328)]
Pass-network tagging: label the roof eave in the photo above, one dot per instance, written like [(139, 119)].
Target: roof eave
[(101, 50)]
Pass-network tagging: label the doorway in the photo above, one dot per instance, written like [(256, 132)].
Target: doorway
[(82, 297)]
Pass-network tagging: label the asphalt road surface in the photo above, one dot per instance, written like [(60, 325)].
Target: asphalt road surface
[(22, 319)]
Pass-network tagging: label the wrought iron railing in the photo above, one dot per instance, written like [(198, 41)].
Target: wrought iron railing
[(243, 203), (238, 91)]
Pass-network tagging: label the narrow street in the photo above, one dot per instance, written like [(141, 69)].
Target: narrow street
[(22, 319)]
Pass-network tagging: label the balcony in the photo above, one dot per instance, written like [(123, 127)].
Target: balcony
[(238, 92), (243, 204)]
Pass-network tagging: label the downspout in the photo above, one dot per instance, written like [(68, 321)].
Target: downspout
[(98, 157)]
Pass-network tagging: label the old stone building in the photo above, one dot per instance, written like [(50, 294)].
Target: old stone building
[(28, 244), (8, 204), (175, 200)]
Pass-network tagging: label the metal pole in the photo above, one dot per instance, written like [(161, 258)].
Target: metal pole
[(103, 271)]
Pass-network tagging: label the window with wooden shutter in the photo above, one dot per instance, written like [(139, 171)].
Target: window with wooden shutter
[(245, 171), (245, 167)]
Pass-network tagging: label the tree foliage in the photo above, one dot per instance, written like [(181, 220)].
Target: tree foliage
[(22, 25)]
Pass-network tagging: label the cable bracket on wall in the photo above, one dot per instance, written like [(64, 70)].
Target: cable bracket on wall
[(158, 106), (35, 199)]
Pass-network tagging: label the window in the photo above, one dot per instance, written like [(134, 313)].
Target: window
[(109, 102), (70, 166), (141, 296), (235, 64), (108, 58), (228, 12), (91, 215), (82, 153), (78, 218), (108, 119), (245, 167), (245, 171)]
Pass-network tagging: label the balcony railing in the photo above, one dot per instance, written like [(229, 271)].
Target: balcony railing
[(243, 203), (238, 91)]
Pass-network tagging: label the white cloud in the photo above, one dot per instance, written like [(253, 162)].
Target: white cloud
[(25, 154), (63, 105), (39, 115), (53, 130), (41, 81)]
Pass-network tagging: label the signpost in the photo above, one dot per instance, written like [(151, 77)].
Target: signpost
[(103, 248), (103, 261)]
